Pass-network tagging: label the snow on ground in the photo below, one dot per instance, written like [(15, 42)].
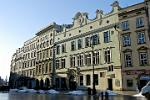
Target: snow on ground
[(41, 91), (138, 95), (23, 91), (78, 92), (13, 90), (111, 93), (31, 90), (51, 91)]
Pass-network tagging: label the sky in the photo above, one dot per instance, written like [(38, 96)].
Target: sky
[(20, 20)]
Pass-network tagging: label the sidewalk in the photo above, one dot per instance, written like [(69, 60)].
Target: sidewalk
[(130, 93)]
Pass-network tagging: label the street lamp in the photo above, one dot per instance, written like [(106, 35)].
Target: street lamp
[(92, 46)]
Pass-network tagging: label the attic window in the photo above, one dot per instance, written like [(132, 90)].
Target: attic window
[(107, 21), (79, 31), (91, 27)]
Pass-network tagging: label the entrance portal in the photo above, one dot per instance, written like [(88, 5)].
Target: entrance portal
[(72, 83)]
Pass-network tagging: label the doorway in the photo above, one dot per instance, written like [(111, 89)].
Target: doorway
[(72, 83), (110, 84)]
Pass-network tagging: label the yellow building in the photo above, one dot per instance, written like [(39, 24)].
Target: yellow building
[(75, 56)]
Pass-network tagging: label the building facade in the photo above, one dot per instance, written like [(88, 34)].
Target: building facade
[(44, 61), (75, 56), (135, 48), (111, 51)]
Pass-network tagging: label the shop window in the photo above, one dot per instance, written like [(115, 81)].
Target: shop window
[(81, 80), (129, 83), (88, 80)]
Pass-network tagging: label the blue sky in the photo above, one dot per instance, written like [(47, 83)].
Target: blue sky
[(21, 19)]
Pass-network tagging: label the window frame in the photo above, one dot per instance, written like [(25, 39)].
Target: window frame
[(125, 25), (139, 22), (127, 60), (126, 39), (141, 61), (141, 36), (106, 36)]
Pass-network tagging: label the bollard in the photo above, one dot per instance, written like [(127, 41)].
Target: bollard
[(102, 96)]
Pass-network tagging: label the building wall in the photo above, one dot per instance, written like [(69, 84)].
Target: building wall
[(83, 27), (44, 61), (55, 60), (29, 56), (132, 72)]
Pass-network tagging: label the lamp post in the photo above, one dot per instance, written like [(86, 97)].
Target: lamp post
[(92, 46)]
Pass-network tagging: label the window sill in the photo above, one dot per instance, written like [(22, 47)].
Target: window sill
[(145, 65), (126, 45), (125, 29), (141, 43), (139, 26)]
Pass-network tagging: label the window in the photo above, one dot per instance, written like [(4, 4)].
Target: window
[(73, 46), (50, 65), (80, 60), (96, 58), (139, 22), (107, 56), (40, 69), (129, 83), (46, 67), (88, 80), (58, 49), (43, 54), (87, 41), (62, 63), (88, 59), (63, 48), (72, 61), (143, 58), (95, 39), (141, 37), (50, 54), (96, 79), (110, 68), (106, 37), (126, 40), (57, 64), (102, 74), (79, 43), (51, 41), (81, 80), (125, 25), (128, 59), (47, 53), (43, 68)]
